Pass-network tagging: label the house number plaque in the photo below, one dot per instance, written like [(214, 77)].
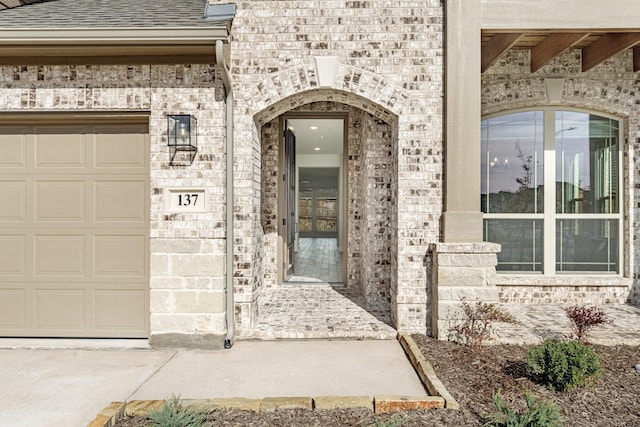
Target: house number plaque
[(186, 200)]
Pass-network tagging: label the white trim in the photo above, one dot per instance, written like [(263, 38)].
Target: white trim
[(79, 36), (549, 223), (566, 14)]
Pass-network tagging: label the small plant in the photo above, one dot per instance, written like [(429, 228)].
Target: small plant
[(173, 414), (564, 365), (584, 318), (539, 413), (477, 325), (395, 421)]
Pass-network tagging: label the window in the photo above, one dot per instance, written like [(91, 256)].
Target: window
[(550, 191)]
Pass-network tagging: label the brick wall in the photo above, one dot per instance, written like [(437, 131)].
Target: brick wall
[(388, 59), (187, 250)]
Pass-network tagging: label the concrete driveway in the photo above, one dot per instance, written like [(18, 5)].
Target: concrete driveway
[(45, 386)]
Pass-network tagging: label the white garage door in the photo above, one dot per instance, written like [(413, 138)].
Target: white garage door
[(74, 230)]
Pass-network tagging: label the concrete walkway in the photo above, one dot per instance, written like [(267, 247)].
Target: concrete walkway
[(66, 383), (45, 386)]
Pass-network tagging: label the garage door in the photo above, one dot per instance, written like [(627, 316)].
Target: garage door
[(74, 230)]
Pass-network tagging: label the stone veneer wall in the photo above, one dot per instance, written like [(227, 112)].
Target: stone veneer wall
[(187, 250), (611, 87), (461, 271), (388, 62)]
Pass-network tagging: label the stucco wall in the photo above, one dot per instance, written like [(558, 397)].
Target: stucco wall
[(611, 87)]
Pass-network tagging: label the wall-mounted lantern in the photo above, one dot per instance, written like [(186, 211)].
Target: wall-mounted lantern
[(182, 137)]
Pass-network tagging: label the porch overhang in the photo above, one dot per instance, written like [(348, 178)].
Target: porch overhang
[(549, 28)]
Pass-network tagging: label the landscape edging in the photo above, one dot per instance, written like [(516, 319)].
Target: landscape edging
[(425, 371)]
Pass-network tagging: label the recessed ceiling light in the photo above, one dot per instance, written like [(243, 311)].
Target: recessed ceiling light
[(322, 137), (317, 148), (313, 127)]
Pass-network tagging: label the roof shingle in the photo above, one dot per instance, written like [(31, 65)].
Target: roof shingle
[(69, 14)]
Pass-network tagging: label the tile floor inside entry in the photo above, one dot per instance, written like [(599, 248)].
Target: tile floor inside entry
[(317, 260), (306, 311)]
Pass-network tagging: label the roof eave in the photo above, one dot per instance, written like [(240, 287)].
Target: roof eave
[(124, 35)]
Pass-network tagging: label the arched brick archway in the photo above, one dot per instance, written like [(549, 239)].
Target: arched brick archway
[(387, 108)]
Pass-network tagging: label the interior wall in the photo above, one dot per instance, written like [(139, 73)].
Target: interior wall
[(325, 161)]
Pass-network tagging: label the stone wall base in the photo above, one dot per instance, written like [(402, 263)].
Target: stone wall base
[(461, 271), (191, 341)]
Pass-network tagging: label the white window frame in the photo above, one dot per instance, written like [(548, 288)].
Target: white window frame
[(549, 216)]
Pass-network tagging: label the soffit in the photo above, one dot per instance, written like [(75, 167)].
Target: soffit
[(596, 46)]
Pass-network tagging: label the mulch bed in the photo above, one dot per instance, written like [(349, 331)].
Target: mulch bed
[(472, 377)]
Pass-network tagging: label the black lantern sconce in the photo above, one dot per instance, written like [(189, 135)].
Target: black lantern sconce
[(182, 138)]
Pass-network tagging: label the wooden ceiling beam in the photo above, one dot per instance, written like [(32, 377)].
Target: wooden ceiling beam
[(636, 58), (496, 47), (607, 46), (552, 46)]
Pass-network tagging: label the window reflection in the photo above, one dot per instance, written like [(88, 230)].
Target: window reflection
[(585, 190), (586, 163), (512, 173)]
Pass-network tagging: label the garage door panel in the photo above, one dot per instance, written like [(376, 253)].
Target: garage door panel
[(118, 148), (59, 309), (120, 309), (120, 256), (13, 309), (14, 148), (119, 201), (13, 200), (56, 148), (74, 231), (13, 255), (60, 200), (59, 255)]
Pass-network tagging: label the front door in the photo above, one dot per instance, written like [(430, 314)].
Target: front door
[(312, 199), (289, 222)]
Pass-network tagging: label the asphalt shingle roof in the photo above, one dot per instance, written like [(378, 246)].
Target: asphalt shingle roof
[(103, 14)]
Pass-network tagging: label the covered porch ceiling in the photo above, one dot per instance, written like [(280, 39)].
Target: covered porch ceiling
[(596, 46)]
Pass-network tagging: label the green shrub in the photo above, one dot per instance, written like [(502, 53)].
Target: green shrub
[(173, 414), (564, 365), (539, 413)]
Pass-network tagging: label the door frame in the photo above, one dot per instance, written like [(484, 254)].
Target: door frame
[(343, 241)]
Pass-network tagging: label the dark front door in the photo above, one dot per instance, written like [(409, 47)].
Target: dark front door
[(289, 222)]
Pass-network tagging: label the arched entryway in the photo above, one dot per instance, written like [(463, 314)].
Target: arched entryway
[(359, 304)]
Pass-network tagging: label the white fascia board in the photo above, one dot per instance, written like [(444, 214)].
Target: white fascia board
[(78, 36), (558, 15)]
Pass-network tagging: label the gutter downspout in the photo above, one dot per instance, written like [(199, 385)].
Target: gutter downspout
[(229, 302)]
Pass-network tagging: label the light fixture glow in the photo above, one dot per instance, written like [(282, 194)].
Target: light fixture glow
[(313, 127), (317, 148)]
